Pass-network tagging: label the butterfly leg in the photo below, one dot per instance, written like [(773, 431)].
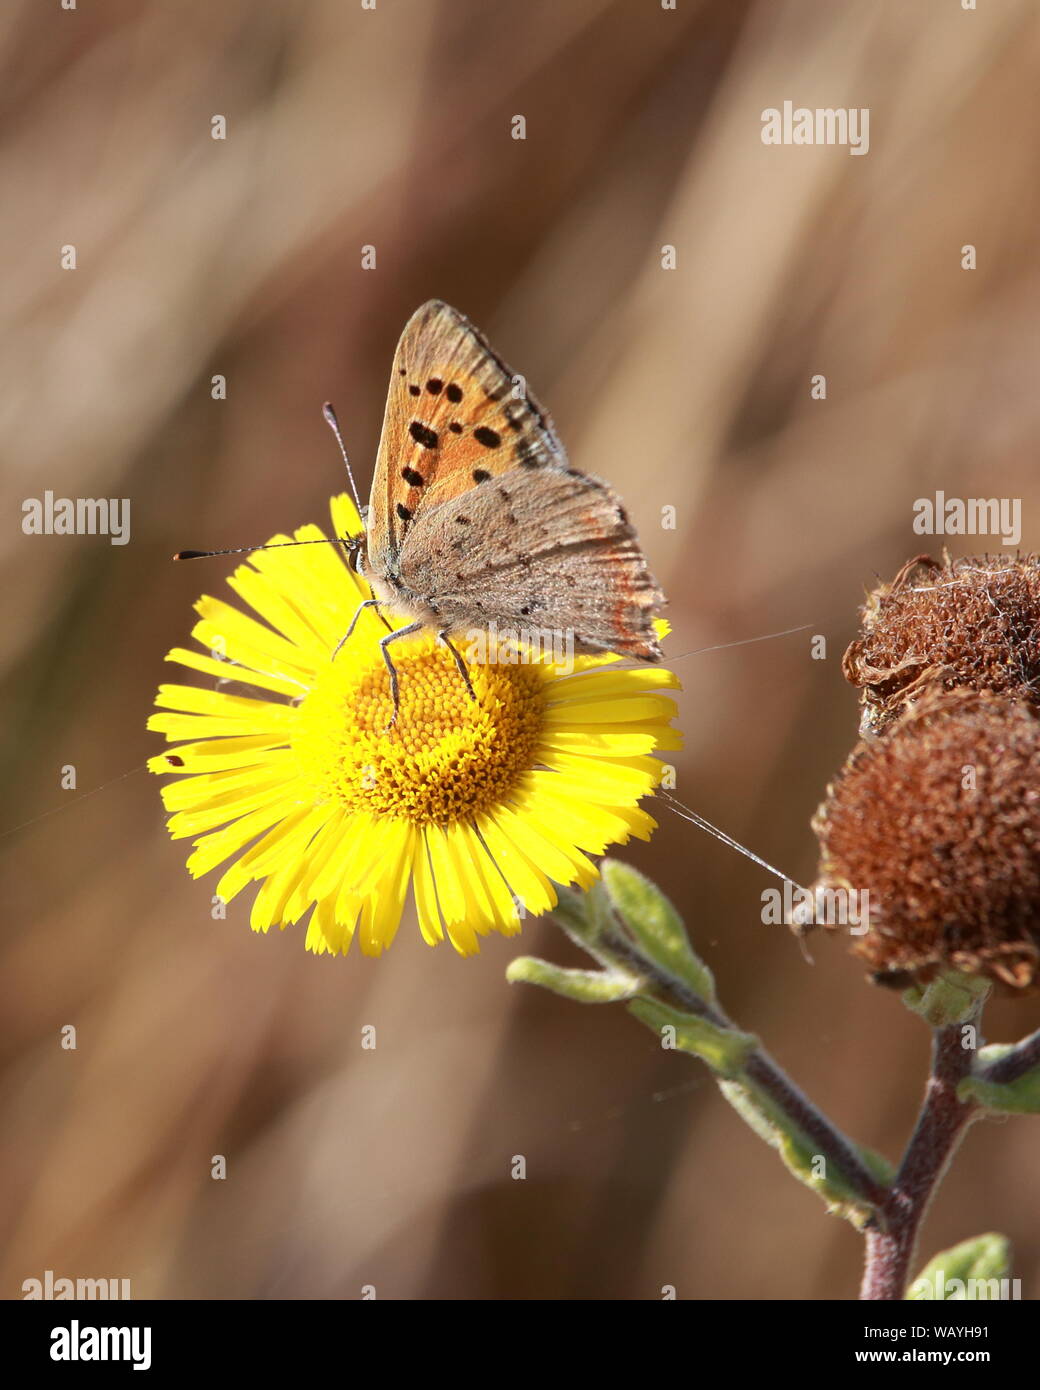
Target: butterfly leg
[(384, 642), (443, 638), (368, 603)]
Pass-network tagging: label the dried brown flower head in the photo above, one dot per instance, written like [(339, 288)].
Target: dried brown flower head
[(971, 622), (939, 820)]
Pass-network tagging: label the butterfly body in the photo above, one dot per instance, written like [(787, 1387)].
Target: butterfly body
[(476, 516)]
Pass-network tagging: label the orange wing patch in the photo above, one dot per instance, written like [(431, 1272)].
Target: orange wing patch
[(452, 421)]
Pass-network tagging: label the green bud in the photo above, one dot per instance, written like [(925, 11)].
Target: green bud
[(971, 1270), (656, 925), (950, 998), (571, 911), (583, 986), (1019, 1097), (724, 1049)]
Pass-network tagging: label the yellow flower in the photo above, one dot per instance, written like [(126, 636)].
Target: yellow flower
[(481, 806)]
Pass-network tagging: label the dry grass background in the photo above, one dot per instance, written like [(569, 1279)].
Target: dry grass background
[(690, 387)]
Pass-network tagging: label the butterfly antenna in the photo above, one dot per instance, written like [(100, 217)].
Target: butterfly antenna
[(248, 549), (685, 813), (333, 424)]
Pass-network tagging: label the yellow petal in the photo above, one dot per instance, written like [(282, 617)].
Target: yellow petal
[(217, 755), (615, 711), (211, 850), (232, 671), (425, 894), (526, 879), (604, 685)]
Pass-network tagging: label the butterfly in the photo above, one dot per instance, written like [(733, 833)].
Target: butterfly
[(476, 516)]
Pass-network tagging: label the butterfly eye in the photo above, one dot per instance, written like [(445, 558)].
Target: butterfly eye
[(355, 547)]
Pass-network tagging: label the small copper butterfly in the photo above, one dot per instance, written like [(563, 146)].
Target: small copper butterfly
[(476, 516)]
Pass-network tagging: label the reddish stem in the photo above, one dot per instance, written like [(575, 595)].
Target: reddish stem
[(940, 1127)]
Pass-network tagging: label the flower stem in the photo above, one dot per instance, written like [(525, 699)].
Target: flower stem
[(941, 1125), (1023, 1057), (760, 1067)]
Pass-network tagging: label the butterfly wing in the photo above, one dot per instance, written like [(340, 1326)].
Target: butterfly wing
[(543, 548), (454, 416)]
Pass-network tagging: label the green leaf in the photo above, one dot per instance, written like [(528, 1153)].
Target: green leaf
[(950, 998), (798, 1153), (571, 911), (626, 924), (1019, 1097), (972, 1270), (656, 925), (583, 986), (724, 1049)]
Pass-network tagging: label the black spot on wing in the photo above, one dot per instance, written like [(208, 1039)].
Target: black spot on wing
[(435, 386), (490, 439), (526, 454), (455, 427), (422, 434), (414, 390), (403, 512), (413, 477), (454, 393), (480, 475)]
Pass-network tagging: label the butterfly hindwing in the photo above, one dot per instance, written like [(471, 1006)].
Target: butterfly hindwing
[(550, 549)]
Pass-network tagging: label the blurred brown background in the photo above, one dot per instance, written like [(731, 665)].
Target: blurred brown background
[(689, 387)]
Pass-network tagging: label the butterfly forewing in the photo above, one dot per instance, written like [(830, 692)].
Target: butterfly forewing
[(453, 417)]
